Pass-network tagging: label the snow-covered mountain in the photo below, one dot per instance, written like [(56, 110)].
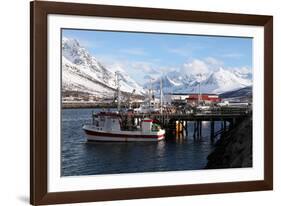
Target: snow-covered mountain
[(217, 81), (84, 73)]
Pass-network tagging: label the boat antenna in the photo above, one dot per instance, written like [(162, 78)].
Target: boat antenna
[(161, 96), (117, 76), (150, 93), (199, 93)]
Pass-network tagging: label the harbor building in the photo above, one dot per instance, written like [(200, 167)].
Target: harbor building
[(193, 98)]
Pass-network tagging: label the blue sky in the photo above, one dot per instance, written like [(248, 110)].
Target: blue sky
[(142, 54)]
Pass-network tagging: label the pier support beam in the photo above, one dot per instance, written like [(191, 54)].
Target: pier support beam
[(200, 129), (194, 129), (186, 128), (212, 130), (233, 123), (224, 125)]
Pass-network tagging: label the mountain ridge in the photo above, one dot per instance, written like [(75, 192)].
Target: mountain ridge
[(218, 81), (82, 72)]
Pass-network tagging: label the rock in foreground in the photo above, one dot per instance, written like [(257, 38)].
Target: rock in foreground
[(234, 149)]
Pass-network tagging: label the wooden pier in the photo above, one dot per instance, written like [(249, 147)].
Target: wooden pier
[(228, 117)]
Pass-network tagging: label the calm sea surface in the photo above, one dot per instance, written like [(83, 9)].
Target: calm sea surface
[(80, 157)]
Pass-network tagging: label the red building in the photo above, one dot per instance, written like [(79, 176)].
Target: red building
[(206, 98)]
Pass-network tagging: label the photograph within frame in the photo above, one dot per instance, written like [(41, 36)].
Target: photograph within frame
[(193, 92)]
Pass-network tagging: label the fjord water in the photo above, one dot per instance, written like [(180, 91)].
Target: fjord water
[(177, 152)]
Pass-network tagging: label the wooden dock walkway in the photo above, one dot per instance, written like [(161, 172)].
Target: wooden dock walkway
[(228, 117)]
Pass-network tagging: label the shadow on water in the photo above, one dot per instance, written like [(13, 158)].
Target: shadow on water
[(176, 152)]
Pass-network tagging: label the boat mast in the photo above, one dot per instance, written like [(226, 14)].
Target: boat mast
[(199, 94), (150, 94), (161, 96), (117, 76)]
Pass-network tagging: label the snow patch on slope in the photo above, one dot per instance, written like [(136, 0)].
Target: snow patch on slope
[(82, 72), (217, 81)]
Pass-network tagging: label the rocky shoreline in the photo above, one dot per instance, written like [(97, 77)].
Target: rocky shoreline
[(234, 149)]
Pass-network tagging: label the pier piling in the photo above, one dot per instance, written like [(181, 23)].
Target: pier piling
[(194, 129), (179, 122), (186, 128), (212, 130)]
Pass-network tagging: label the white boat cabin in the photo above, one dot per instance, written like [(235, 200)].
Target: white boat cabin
[(107, 122)]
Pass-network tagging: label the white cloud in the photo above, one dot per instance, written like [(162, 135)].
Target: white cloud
[(213, 62), (141, 71), (194, 67), (209, 64)]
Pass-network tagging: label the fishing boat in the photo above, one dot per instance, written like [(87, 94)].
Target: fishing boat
[(110, 126), (107, 126)]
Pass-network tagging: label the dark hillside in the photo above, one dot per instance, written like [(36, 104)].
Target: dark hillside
[(234, 149)]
